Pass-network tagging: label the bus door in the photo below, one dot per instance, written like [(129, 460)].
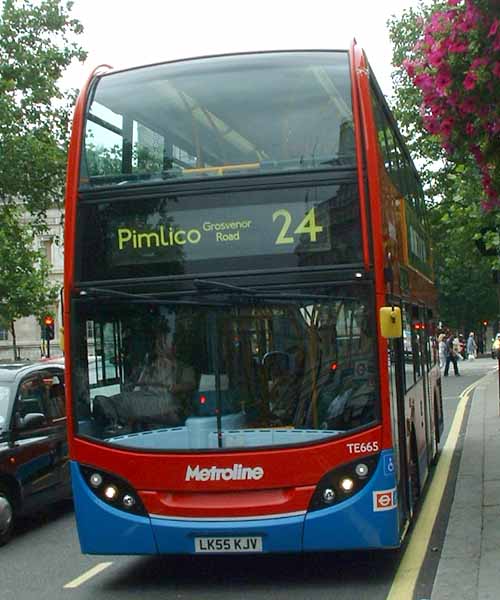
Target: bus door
[(397, 395), (426, 366), (421, 365)]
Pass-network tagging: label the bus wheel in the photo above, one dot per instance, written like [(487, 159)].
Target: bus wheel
[(414, 473), (6, 515)]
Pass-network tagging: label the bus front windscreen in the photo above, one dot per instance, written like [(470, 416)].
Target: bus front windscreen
[(219, 369), (219, 116)]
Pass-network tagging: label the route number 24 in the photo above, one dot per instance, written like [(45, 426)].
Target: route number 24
[(307, 226)]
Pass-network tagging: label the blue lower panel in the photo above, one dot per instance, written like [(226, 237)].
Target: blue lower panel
[(278, 535), (104, 530), (367, 520)]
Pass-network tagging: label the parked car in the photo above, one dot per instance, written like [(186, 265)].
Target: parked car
[(34, 467)]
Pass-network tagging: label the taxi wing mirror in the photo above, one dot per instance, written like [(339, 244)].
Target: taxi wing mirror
[(32, 421), (391, 325)]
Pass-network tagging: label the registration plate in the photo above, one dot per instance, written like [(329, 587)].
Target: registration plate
[(228, 544)]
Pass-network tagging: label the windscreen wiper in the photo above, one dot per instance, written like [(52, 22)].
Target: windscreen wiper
[(204, 285), (183, 297), (99, 291), (207, 284)]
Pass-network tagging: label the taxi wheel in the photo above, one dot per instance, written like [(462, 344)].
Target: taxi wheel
[(6, 515)]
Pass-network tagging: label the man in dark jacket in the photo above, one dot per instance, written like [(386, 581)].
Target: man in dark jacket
[(451, 356)]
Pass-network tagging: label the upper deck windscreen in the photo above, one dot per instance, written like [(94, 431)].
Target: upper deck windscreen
[(220, 116)]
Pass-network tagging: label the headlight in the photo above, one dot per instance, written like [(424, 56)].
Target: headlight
[(343, 482), (113, 490)]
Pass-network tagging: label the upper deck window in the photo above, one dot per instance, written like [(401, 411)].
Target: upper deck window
[(220, 116)]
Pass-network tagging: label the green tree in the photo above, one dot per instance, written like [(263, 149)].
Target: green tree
[(37, 43), (24, 286), (454, 189)]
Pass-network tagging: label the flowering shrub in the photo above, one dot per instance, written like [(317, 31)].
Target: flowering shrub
[(456, 66)]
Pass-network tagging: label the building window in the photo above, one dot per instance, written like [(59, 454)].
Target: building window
[(4, 334), (46, 247)]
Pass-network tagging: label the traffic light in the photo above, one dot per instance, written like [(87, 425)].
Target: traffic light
[(48, 327), (485, 323)]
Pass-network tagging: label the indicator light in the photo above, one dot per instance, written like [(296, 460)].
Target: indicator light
[(128, 501), (203, 399), (328, 496)]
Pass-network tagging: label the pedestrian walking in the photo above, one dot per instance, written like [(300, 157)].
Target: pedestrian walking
[(451, 357), (457, 347), (471, 346), (495, 347), (442, 350)]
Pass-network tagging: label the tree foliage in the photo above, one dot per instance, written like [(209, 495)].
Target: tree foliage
[(37, 43), (454, 190), (24, 286)]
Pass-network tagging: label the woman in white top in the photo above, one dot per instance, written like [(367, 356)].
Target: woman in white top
[(441, 350)]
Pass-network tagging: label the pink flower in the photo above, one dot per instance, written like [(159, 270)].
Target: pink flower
[(424, 81), (494, 27), (478, 63), (409, 67), (449, 148), (476, 153), (457, 47), (486, 179), (469, 105), (443, 79), (453, 99), (496, 69), (447, 127), (431, 124), (470, 130), (470, 81), (453, 2), (435, 56)]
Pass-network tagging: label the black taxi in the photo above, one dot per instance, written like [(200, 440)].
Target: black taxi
[(34, 467)]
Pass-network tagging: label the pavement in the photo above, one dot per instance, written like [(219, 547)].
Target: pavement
[(469, 567)]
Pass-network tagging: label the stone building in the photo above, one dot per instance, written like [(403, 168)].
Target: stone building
[(28, 332)]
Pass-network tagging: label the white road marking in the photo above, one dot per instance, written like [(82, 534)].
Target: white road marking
[(88, 575)]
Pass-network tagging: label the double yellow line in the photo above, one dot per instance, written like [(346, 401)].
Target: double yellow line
[(403, 585)]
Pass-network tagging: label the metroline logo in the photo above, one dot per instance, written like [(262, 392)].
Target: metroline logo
[(235, 473)]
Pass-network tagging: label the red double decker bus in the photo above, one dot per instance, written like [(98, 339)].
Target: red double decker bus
[(248, 309)]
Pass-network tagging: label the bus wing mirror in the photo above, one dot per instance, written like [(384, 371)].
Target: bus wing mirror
[(390, 322)]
